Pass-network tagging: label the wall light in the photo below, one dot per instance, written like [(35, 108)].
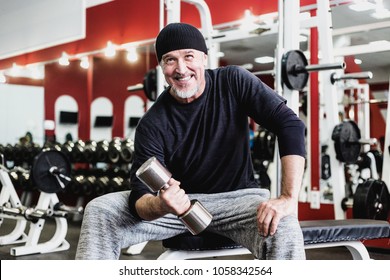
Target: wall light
[(264, 59), (248, 22), (15, 70), (110, 50), (84, 63), (64, 60), (132, 55)]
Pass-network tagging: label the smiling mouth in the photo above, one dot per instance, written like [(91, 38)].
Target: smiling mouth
[(184, 79)]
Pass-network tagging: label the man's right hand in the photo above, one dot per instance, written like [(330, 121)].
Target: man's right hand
[(174, 199)]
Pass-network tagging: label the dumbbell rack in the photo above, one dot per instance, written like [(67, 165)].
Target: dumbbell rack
[(31, 245)]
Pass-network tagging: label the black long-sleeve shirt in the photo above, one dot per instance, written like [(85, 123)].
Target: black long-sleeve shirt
[(205, 143)]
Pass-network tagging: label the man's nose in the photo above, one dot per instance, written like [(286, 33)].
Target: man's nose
[(181, 66)]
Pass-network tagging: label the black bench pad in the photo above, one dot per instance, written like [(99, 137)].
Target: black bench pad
[(316, 231), (203, 241), (322, 231)]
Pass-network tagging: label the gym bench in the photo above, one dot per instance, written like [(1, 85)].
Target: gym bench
[(350, 233)]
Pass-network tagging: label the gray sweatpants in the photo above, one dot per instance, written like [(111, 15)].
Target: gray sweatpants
[(108, 226)]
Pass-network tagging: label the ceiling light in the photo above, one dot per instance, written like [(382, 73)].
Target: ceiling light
[(380, 43), (264, 59), (381, 14), (220, 54), (84, 63), (64, 60), (110, 50), (362, 6)]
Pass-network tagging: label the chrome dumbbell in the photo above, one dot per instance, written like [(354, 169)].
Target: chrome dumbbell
[(156, 177)]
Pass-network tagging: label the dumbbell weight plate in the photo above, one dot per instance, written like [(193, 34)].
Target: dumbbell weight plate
[(40, 170)]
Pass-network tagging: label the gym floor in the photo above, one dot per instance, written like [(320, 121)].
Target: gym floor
[(153, 249)]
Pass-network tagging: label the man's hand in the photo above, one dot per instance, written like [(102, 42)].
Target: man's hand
[(269, 213), (173, 199)]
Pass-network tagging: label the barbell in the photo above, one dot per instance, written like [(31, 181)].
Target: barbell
[(347, 141), (295, 69), (149, 85)]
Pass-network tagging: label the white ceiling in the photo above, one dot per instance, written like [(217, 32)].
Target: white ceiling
[(352, 32)]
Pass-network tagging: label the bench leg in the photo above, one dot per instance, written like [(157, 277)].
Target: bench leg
[(185, 255), (356, 248), (136, 249)]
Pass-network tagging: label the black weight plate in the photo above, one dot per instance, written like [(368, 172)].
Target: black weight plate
[(291, 61), (40, 170), (150, 85), (371, 200), (346, 136)]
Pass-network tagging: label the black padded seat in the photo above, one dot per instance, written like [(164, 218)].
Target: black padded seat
[(203, 241), (316, 231), (323, 231)]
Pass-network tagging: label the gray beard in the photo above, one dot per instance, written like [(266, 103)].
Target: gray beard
[(185, 94)]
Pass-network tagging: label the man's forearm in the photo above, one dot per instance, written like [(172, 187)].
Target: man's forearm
[(149, 208), (292, 173)]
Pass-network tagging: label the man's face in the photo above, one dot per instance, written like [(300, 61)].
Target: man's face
[(184, 72)]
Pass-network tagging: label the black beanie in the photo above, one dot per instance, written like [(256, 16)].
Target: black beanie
[(176, 36)]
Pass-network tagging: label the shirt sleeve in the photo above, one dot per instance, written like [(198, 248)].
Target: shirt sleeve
[(269, 109)]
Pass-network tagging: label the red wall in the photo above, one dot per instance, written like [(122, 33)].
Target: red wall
[(110, 78)]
